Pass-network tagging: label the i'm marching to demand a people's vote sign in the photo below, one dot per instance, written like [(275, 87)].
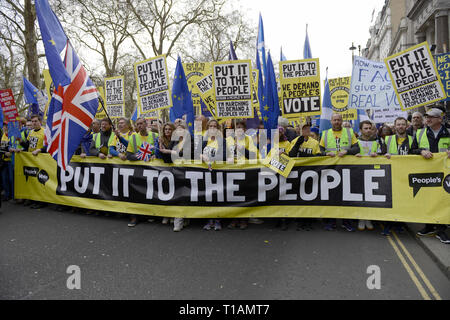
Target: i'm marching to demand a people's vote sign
[(232, 83), (152, 84), (115, 102), (414, 77), (300, 88)]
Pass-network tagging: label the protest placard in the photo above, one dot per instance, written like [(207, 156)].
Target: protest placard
[(443, 67), (206, 91), (414, 77), (370, 86), (300, 88), (195, 72), (8, 105), (149, 115), (232, 82), (100, 111), (115, 102), (49, 88), (339, 91), (152, 83), (388, 115), (255, 100), (280, 163)]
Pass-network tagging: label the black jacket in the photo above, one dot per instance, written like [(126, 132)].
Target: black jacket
[(433, 141)]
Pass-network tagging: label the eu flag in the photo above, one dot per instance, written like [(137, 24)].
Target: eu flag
[(55, 41), (31, 97), (271, 107), (182, 99)]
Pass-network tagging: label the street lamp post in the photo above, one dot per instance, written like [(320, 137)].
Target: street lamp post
[(353, 48)]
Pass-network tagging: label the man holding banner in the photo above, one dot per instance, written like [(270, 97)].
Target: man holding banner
[(340, 142), (101, 141), (141, 146), (433, 138)]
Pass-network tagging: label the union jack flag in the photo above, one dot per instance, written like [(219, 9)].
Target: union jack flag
[(145, 151), (75, 102)]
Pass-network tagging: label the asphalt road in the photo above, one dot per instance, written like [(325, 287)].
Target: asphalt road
[(151, 261)]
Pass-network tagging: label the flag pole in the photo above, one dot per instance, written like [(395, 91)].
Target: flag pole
[(106, 112)]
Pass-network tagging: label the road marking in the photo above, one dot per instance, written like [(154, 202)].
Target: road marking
[(418, 269), (408, 269)]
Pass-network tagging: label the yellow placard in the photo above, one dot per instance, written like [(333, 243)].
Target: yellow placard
[(206, 92), (280, 163), (152, 81), (232, 83), (300, 88), (100, 111), (48, 88), (195, 72), (339, 91), (415, 78)]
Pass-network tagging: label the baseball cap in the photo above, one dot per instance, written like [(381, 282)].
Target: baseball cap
[(434, 112)]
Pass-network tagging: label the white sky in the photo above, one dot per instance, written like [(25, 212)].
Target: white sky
[(332, 27)]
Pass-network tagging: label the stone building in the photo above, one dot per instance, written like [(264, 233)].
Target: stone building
[(404, 23)]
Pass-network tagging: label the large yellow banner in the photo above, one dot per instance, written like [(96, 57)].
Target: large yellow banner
[(404, 188)]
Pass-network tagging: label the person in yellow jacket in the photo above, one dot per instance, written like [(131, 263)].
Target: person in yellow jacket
[(338, 141), (433, 138), (240, 147), (142, 145), (368, 145), (118, 145), (400, 143), (101, 140), (35, 145), (304, 145), (35, 139)]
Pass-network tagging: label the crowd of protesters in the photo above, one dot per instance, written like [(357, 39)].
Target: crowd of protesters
[(420, 135)]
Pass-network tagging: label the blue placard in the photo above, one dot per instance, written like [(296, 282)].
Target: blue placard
[(443, 66)]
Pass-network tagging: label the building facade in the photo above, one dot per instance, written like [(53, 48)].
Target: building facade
[(404, 23)]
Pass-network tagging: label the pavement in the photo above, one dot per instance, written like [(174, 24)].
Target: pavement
[(438, 251)]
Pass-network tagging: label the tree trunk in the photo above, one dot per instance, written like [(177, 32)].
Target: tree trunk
[(31, 56)]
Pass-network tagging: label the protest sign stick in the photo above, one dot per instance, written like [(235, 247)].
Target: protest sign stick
[(107, 115)]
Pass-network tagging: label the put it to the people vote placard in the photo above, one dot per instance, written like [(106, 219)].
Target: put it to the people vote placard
[(115, 102), (232, 83), (414, 77), (152, 80), (300, 88)]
